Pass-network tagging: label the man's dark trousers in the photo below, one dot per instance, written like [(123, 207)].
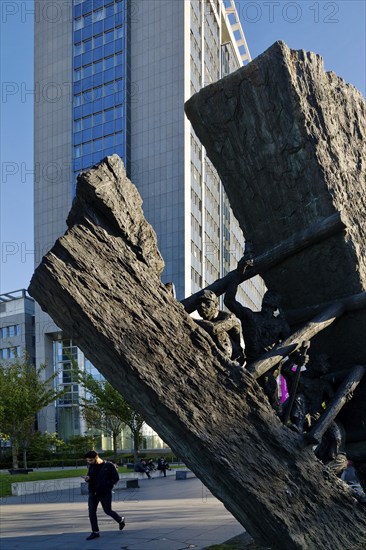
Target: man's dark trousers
[(106, 501)]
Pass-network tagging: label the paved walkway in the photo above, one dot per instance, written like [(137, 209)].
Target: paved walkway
[(163, 514)]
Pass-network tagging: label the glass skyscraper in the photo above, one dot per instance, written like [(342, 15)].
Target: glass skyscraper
[(122, 70)]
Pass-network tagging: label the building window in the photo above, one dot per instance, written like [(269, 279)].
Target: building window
[(196, 277), (10, 331)]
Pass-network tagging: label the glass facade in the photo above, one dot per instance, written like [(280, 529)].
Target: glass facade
[(99, 81), (68, 410), (69, 421)]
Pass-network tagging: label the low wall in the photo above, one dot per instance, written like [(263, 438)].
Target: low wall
[(45, 486)]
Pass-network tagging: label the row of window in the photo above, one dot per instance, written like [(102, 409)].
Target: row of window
[(96, 119), (98, 132), (98, 41), (196, 8), (89, 32), (211, 249), (99, 20), (211, 175), (195, 73), (87, 161), (212, 65), (113, 46), (196, 200), (195, 146), (99, 85), (115, 60), (99, 91), (69, 398), (196, 252), (196, 226), (210, 200), (196, 175), (211, 23), (64, 354), (107, 142), (89, 5), (195, 48), (10, 331), (66, 376), (194, 88), (226, 210), (209, 8), (194, 16), (211, 269), (211, 223), (10, 353), (97, 8), (196, 278), (102, 104), (226, 256)]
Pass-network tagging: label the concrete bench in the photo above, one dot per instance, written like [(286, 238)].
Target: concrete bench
[(44, 486), (130, 483), (183, 474)]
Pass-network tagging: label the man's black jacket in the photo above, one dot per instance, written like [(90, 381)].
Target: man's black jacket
[(102, 477)]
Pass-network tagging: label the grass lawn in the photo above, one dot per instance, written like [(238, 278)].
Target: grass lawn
[(6, 479)]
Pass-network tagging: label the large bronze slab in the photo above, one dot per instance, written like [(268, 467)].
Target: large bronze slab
[(100, 283)]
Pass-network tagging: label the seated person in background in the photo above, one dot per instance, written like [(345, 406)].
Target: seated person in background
[(151, 465), (223, 327), (142, 468)]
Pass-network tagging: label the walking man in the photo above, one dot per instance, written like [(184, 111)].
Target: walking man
[(102, 475)]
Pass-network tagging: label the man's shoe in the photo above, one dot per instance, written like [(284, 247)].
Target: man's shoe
[(93, 536), (122, 523)]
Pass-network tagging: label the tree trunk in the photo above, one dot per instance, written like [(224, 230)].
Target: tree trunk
[(136, 443), (114, 440), (14, 453), (100, 283), (25, 457)]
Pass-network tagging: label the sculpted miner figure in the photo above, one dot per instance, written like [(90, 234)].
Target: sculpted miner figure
[(332, 448), (223, 327), (310, 392), (262, 330)]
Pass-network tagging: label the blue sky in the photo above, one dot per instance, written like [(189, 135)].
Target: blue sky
[(335, 30)]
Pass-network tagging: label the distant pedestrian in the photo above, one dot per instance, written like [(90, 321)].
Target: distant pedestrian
[(102, 475)]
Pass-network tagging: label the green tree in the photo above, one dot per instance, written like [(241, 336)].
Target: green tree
[(44, 445), (23, 393), (105, 408), (78, 445)]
